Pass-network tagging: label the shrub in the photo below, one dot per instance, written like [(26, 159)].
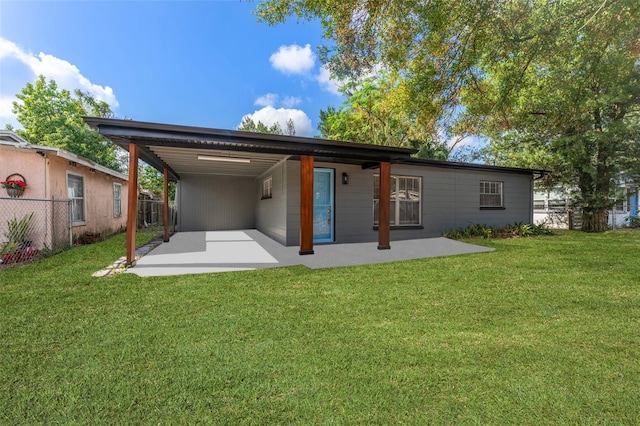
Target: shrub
[(516, 230)]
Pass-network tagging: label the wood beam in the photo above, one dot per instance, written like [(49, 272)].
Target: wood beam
[(306, 204), (166, 205), (132, 204), (384, 206)]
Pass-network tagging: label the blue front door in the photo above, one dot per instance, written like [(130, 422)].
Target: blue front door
[(323, 205)]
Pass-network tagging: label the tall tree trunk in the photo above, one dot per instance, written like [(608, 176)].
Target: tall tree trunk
[(595, 220)]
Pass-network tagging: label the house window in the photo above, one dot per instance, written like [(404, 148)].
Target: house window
[(558, 204), (267, 186), (117, 200), (75, 192), (406, 200), (491, 194)]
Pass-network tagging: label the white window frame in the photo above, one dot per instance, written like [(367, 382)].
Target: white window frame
[(394, 217), (267, 188), (117, 200), (73, 199), (495, 188)]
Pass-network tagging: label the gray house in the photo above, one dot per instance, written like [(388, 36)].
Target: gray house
[(304, 191)]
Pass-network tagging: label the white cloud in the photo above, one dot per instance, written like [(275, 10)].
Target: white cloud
[(291, 101), (270, 115), (66, 75), (293, 59), (272, 99), (327, 82), (269, 99)]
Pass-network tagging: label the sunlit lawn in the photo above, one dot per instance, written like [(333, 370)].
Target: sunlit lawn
[(541, 331)]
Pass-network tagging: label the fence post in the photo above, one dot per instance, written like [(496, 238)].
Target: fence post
[(70, 222)]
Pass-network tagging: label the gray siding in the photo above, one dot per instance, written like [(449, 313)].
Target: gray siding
[(271, 213), (293, 203), (450, 200), (353, 203), (215, 203)]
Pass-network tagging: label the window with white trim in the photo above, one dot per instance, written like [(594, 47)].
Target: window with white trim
[(75, 192), (406, 200), (267, 188), (117, 200), (491, 194)]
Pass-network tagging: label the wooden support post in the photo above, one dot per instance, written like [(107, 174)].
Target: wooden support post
[(306, 204), (166, 206), (384, 206), (132, 204)]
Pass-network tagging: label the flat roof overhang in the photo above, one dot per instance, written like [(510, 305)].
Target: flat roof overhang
[(165, 146)]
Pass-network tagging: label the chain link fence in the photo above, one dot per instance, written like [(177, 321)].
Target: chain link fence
[(32, 228)]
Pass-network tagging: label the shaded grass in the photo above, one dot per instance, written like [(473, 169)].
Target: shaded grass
[(541, 331)]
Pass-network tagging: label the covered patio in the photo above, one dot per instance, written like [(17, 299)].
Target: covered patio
[(225, 251), (183, 150)]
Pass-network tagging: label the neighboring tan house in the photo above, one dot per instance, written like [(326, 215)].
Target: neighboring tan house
[(96, 195), (306, 191)]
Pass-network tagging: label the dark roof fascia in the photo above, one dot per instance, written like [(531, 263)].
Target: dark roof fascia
[(473, 166), (203, 138), (154, 161), (147, 156)]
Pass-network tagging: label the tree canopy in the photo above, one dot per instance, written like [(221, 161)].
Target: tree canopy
[(553, 84), (53, 117), (375, 111), (152, 180)]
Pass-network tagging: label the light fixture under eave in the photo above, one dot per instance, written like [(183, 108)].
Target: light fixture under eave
[(225, 159)]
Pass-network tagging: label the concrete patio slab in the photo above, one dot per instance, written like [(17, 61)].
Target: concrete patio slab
[(224, 251)]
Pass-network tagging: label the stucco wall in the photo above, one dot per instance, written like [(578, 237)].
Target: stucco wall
[(27, 163), (98, 187), (47, 178)]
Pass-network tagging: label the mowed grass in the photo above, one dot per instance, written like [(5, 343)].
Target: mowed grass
[(541, 331)]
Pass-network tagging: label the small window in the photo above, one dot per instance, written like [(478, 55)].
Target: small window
[(406, 200), (491, 194), (117, 200), (75, 192), (267, 186), (558, 204)]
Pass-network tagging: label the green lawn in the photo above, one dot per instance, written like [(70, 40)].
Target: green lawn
[(541, 331)]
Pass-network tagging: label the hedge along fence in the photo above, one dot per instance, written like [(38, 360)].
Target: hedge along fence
[(30, 228)]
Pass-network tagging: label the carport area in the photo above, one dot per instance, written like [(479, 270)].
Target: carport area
[(225, 251), (234, 159)]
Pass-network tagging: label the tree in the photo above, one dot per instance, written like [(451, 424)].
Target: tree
[(553, 84), (375, 112), (53, 117), (249, 125), (564, 94), (151, 179)]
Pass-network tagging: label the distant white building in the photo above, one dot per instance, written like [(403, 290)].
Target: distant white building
[(552, 206)]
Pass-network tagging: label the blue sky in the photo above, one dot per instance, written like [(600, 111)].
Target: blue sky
[(200, 63)]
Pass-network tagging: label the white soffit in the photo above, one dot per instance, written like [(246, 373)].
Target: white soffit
[(185, 161)]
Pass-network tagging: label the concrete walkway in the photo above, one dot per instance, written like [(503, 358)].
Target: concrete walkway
[(223, 251)]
